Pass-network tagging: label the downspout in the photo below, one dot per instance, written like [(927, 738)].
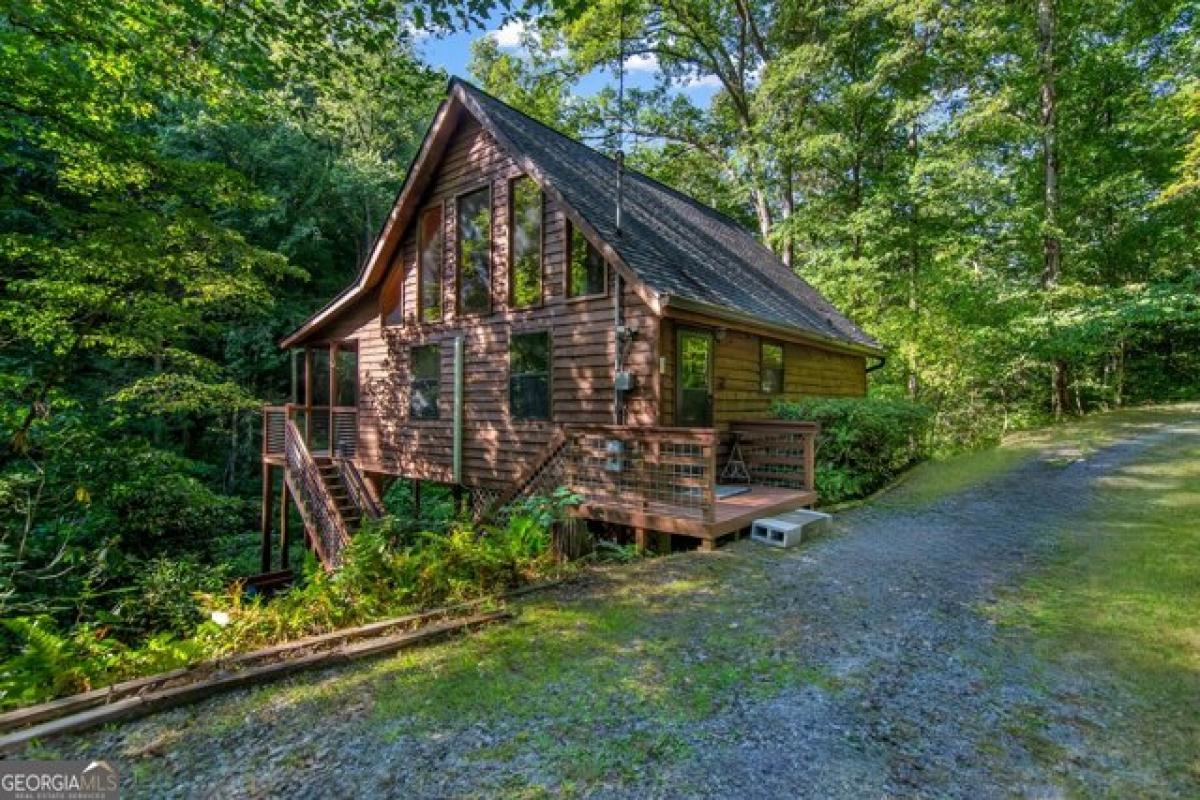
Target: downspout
[(618, 350)]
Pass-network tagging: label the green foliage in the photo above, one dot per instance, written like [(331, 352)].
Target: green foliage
[(178, 603), (163, 599), (864, 443), (895, 154)]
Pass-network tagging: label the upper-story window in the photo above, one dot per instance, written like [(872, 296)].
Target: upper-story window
[(475, 252), (771, 367), (525, 247), (425, 376), (529, 375), (391, 298), (429, 270), (585, 271)]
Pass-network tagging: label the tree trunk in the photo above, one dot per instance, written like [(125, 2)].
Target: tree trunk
[(914, 272), (789, 206), (1051, 243)]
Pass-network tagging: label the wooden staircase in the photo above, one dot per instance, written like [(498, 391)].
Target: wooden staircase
[(331, 495)]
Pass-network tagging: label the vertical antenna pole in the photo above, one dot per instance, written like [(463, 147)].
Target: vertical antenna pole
[(621, 115)]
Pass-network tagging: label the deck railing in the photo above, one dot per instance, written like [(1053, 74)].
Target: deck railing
[(360, 493), (326, 430), (777, 452), (655, 471)]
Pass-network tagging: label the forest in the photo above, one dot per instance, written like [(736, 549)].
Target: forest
[(1006, 194)]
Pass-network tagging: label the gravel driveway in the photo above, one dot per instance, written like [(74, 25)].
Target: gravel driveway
[(906, 688)]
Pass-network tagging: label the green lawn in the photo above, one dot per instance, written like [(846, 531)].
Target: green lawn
[(932, 480), (1118, 605)]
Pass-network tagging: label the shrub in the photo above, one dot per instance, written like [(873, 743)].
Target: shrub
[(164, 596), (864, 442), (383, 574)]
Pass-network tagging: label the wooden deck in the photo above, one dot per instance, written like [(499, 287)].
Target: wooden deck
[(731, 514)]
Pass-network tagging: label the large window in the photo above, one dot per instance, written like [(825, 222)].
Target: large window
[(429, 273), (529, 375), (771, 367), (525, 227), (585, 273), (425, 370), (475, 252)]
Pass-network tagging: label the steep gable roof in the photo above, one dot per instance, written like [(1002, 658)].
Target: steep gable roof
[(685, 253)]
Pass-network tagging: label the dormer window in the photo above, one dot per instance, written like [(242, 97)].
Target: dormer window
[(475, 252)]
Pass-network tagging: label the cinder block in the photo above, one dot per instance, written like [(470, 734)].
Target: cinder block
[(787, 530)]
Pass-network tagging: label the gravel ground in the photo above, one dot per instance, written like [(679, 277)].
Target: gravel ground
[(913, 691)]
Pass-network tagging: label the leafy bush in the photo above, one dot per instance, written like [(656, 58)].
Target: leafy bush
[(864, 442), (164, 596), (386, 571)]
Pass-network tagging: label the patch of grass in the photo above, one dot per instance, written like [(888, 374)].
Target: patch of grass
[(1119, 602), (933, 480), (600, 685), (1061, 445)]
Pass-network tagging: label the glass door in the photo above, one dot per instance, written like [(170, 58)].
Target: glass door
[(694, 379)]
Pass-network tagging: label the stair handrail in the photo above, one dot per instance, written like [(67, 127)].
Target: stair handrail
[(356, 486), (317, 505), (532, 471)]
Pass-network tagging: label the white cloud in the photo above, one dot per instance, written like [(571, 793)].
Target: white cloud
[(415, 33), (509, 35), (702, 82), (642, 62)]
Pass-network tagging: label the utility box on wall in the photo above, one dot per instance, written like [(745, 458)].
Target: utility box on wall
[(614, 449)]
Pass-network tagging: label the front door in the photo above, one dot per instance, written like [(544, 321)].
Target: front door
[(694, 379)]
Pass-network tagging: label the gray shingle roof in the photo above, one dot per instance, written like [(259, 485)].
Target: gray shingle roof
[(676, 245)]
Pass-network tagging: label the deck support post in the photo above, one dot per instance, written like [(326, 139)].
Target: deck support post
[(708, 545), (268, 491), (415, 491), (285, 534), (641, 539)]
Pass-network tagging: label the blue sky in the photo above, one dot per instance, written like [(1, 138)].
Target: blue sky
[(452, 52)]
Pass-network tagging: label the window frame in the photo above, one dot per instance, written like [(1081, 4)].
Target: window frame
[(421, 320), (571, 230), (412, 379), (548, 333), (512, 233), (491, 250), (763, 343)]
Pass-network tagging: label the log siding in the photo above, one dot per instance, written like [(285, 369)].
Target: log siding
[(582, 342)]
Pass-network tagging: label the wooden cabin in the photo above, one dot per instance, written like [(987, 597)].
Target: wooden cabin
[(507, 334)]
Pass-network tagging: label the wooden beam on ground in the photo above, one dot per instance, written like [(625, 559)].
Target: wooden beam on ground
[(142, 704), (108, 695)]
